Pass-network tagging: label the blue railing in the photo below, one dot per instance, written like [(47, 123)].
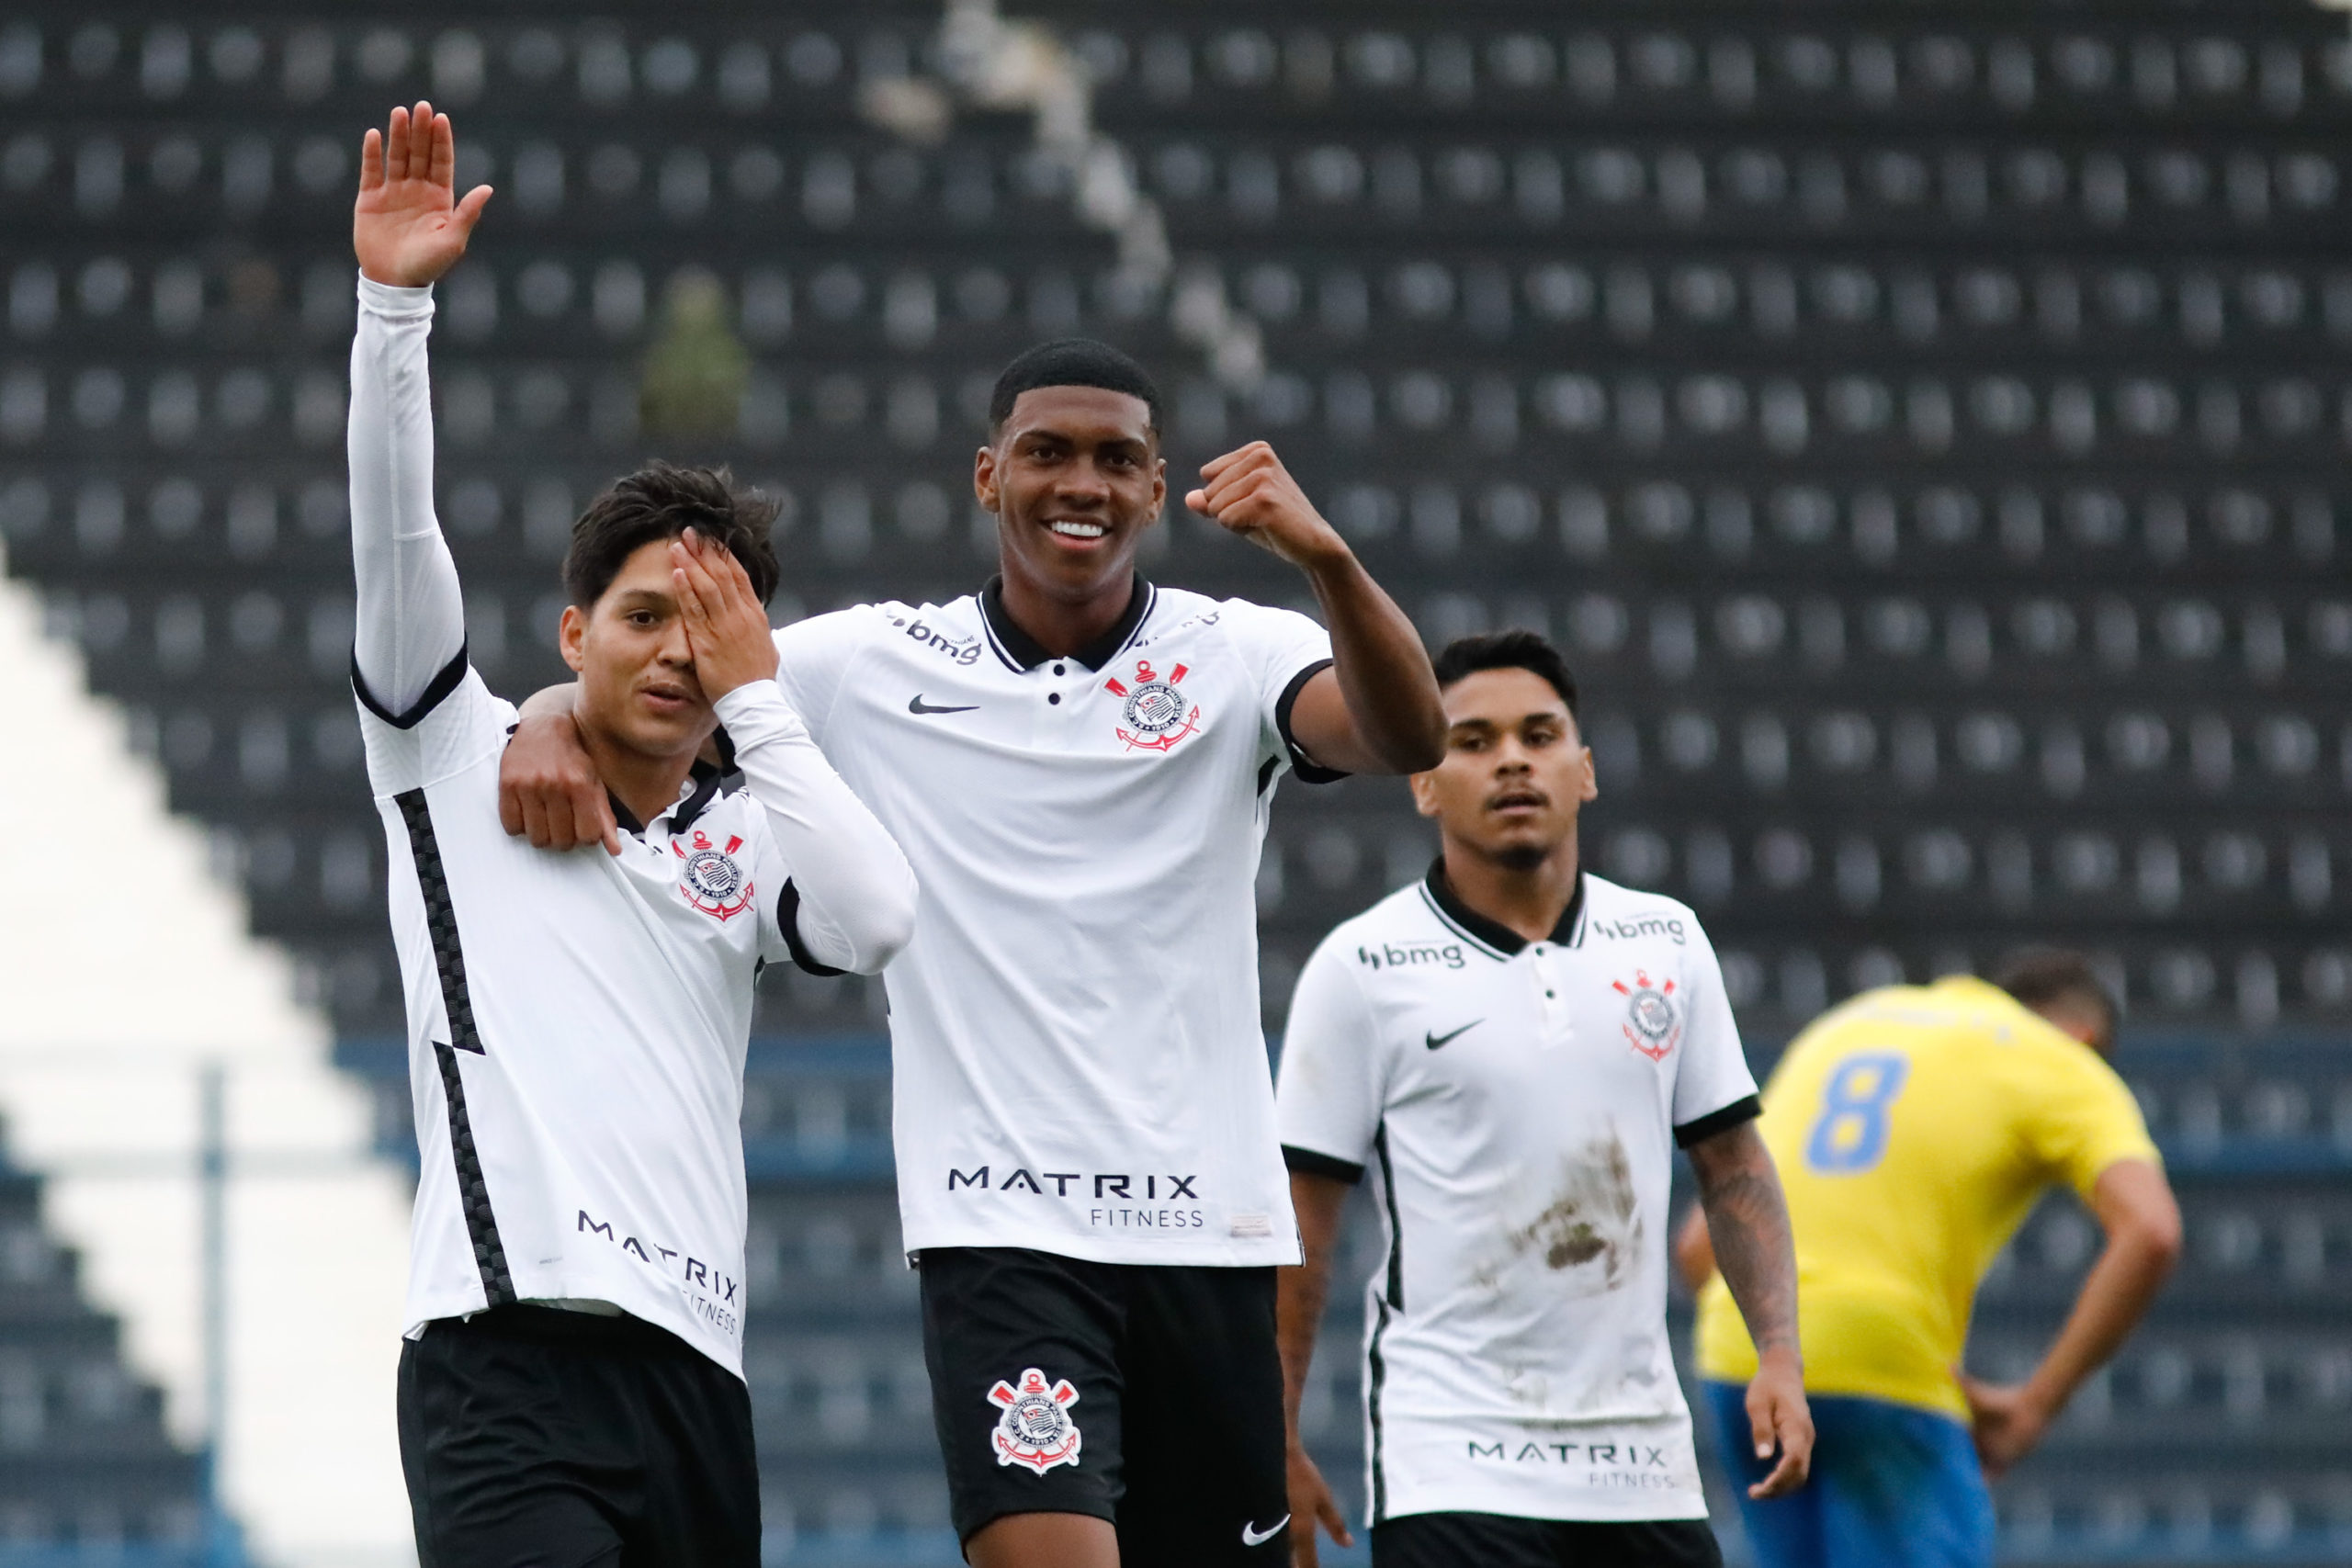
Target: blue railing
[(2320, 1148), (228, 1553)]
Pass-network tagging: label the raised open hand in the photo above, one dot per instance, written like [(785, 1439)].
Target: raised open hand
[(408, 226)]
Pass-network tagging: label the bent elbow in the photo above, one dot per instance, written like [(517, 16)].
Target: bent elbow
[(2152, 1237), (1405, 755), (885, 926)]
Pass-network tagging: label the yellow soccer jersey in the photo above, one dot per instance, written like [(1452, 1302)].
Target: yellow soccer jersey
[(1914, 1128)]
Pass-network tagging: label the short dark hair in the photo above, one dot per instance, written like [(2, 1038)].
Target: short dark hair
[(1515, 650), (1071, 361), (662, 501), (2038, 976)]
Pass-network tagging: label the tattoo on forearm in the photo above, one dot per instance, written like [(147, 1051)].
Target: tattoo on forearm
[(1747, 1221)]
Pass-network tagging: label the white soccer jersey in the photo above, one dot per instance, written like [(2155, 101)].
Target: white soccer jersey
[(576, 1022), (1519, 1103), (577, 1025), (1079, 1066)]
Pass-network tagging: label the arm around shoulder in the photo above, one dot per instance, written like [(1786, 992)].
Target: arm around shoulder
[(856, 893)]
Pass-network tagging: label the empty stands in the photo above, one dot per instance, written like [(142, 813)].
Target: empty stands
[(1922, 425), (87, 1473)]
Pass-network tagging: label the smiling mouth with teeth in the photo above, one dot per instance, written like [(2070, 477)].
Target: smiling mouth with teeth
[(1078, 530)]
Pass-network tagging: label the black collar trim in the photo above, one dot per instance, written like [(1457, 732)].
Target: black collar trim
[(1494, 935), (622, 814), (707, 782), (1024, 652)]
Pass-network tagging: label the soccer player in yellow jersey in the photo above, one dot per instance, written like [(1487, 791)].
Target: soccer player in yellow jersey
[(1915, 1127)]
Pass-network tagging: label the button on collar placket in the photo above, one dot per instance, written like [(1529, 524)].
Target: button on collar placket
[(1551, 987)]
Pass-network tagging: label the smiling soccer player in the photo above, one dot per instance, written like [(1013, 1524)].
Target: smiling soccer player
[(1080, 764), (572, 1389)]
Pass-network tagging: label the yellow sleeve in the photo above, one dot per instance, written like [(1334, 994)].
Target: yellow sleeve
[(2081, 1118)]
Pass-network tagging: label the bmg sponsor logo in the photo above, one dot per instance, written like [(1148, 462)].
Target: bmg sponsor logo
[(963, 650), (1405, 955), (1666, 926)]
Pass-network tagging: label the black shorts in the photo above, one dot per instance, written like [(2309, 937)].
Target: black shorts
[(1505, 1540), (534, 1437), (1147, 1394)]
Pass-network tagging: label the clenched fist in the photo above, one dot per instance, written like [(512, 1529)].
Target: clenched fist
[(1250, 493)]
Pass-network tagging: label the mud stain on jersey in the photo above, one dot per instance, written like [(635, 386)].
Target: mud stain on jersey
[(1590, 1226)]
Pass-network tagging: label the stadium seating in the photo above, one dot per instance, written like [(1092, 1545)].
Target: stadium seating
[(1920, 426), (89, 1474)]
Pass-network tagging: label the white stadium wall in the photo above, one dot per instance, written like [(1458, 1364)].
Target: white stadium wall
[(128, 966)]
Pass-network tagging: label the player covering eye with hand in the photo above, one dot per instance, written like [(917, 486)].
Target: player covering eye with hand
[(1510, 1051), (570, 1391), (1081, 765), (1915, 1127)]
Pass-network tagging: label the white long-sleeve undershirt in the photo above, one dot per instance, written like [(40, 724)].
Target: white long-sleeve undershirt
[(411, 614), (856, 893)]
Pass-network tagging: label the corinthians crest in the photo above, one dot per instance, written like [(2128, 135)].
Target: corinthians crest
[(1652, 1023), (1035, 1429), (712, 880), (1157, 714)]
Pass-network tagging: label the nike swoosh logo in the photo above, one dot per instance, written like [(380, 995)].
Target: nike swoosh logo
[(1258, 1538), (916, 705), (1434, 1040)]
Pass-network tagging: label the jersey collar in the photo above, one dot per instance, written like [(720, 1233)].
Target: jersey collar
[(1024, 652), (1493, 935), (707, 780)]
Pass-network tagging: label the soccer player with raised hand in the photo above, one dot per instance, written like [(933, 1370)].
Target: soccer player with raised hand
[(571, 1388), (1080, 764)]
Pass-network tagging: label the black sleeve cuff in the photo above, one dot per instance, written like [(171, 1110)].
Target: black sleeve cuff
[(1307, 768), (435, 693), (1308, 1162), (1748, 1108), (787, 914)]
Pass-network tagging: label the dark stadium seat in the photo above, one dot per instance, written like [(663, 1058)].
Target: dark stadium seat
[(85, 1461), (1922, 428)]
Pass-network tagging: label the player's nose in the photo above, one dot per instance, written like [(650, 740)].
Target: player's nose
[(1083, 482)]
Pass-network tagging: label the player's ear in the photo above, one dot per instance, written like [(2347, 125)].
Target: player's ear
[(1424, 788), (1591, 790), (570, 634), (984, 477)]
